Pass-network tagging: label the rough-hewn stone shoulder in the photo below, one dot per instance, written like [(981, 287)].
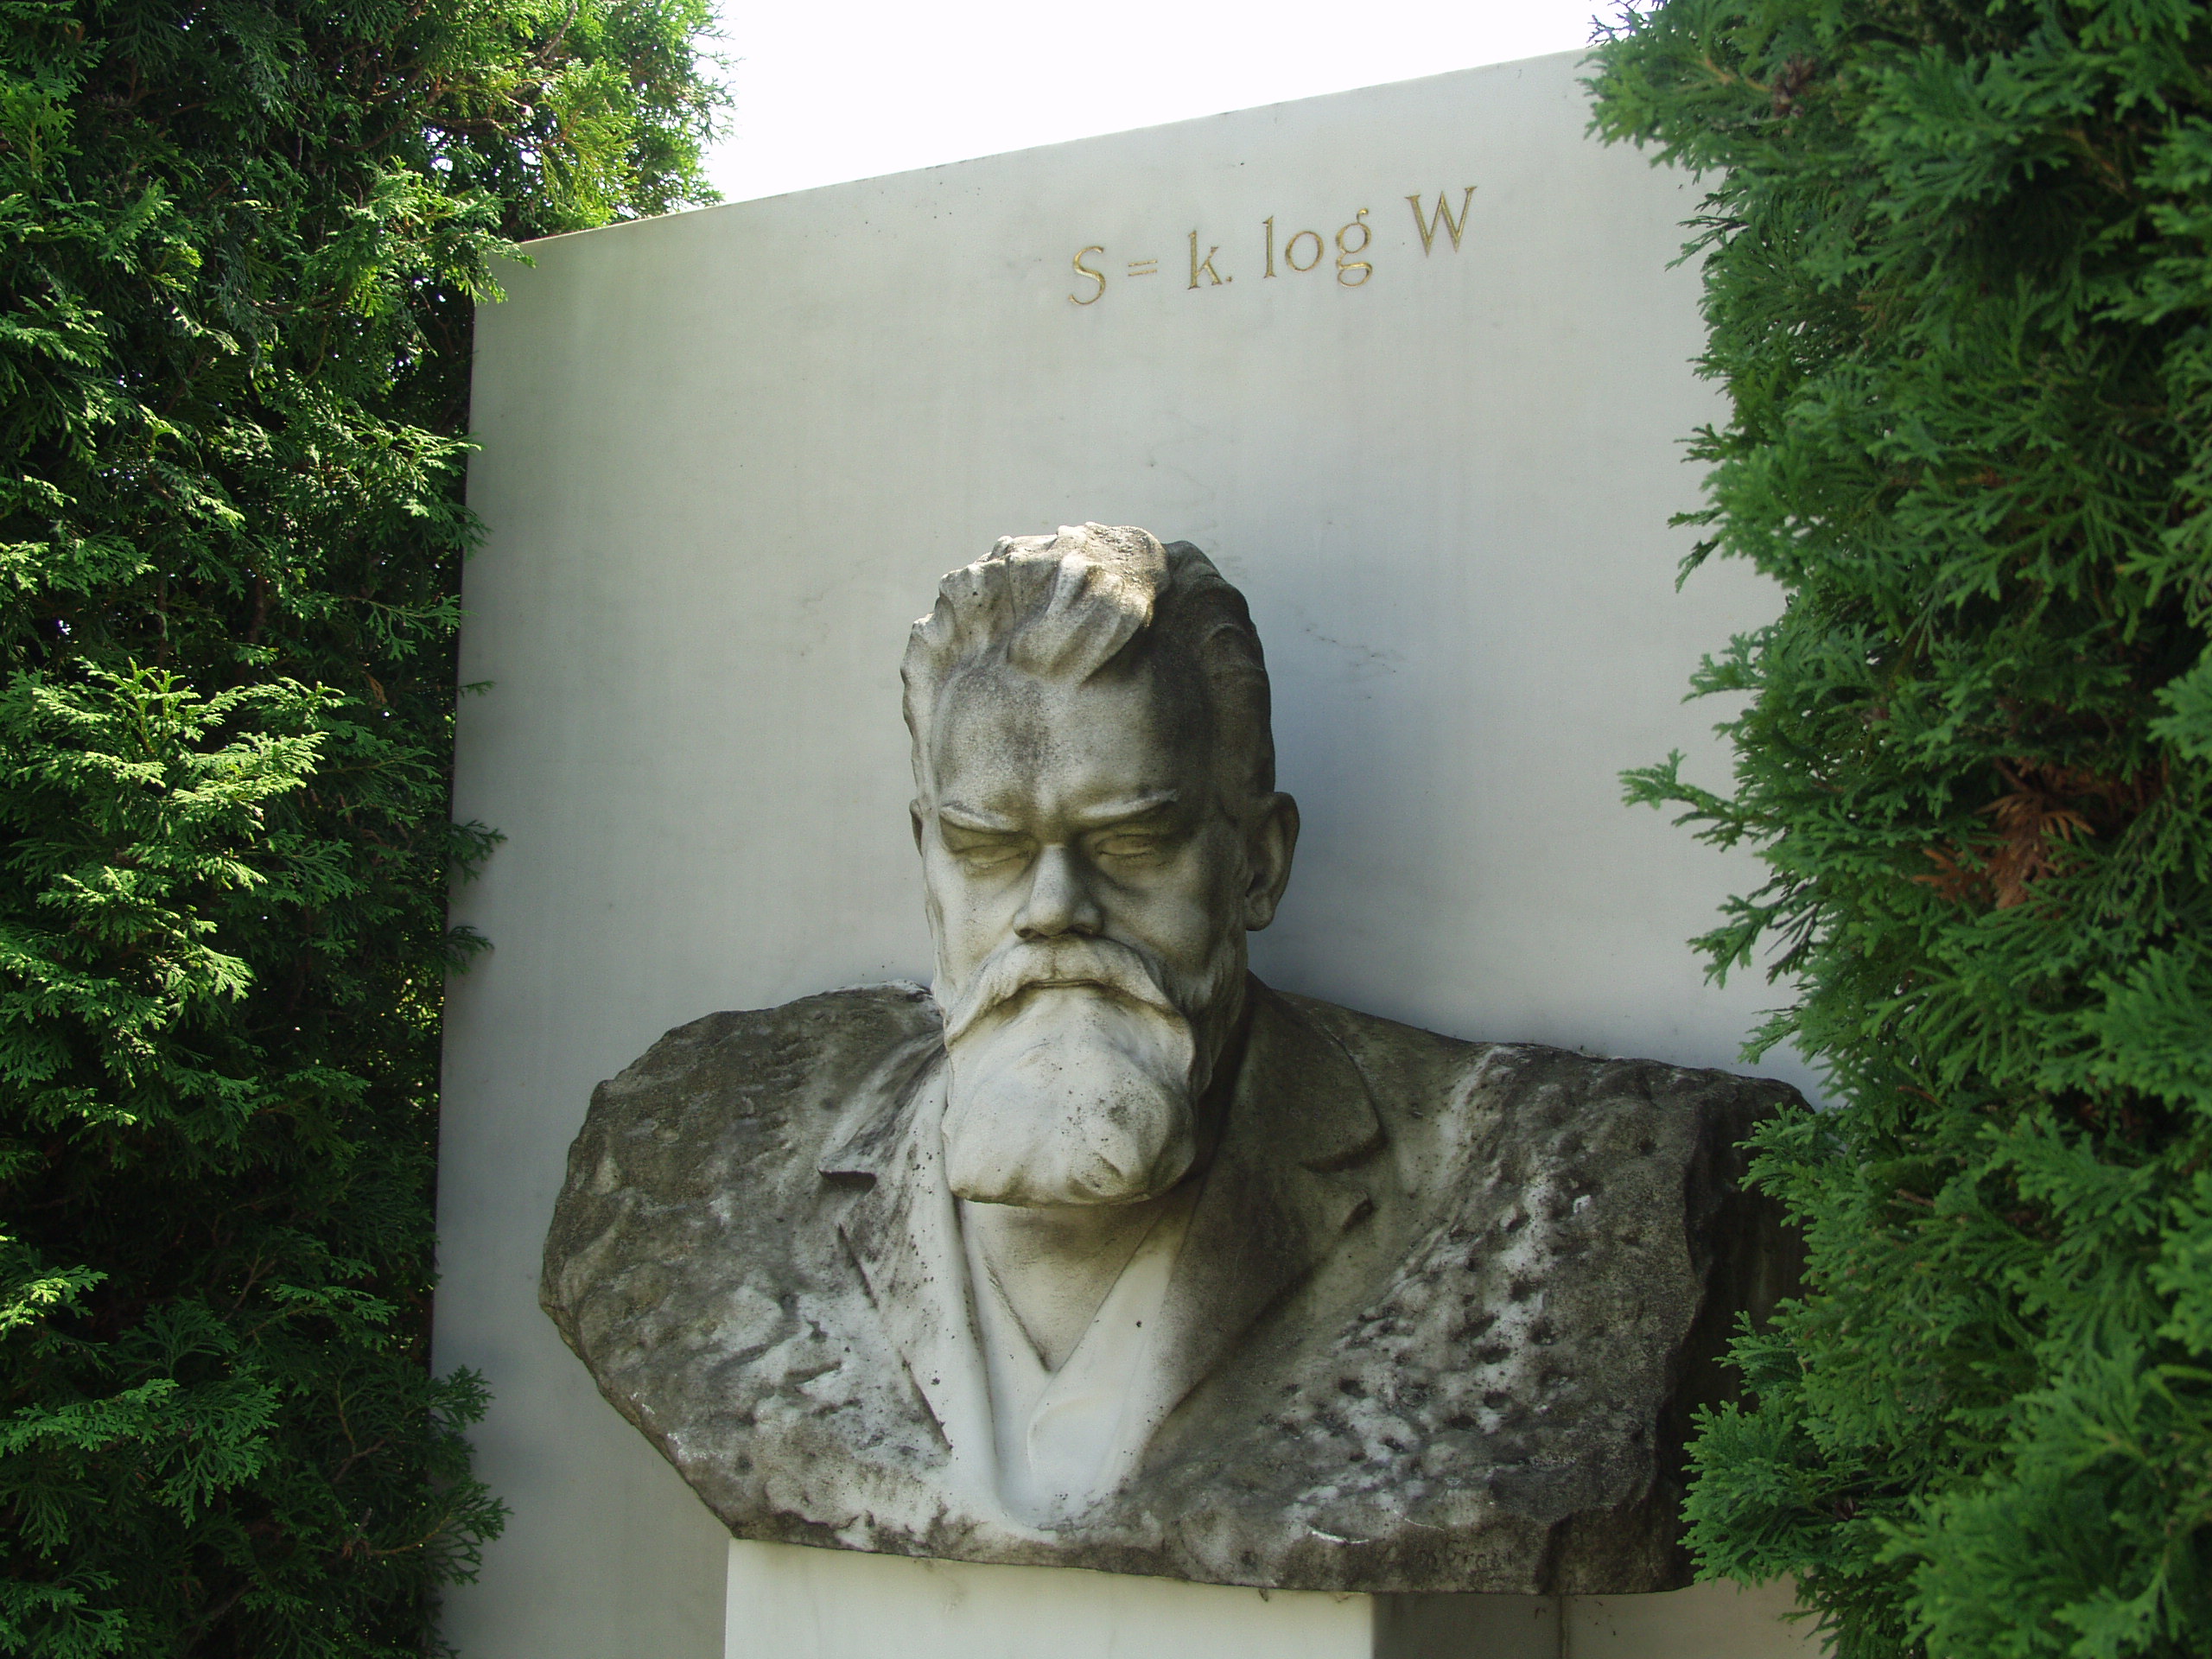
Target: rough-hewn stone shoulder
[(733, 1103), (1491, 1390), (691, 1263)]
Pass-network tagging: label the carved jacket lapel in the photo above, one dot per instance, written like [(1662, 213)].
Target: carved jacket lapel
[(904, 1236), (1278, 1196)]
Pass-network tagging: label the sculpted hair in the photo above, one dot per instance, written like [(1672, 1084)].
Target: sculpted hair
[(1098, 599)]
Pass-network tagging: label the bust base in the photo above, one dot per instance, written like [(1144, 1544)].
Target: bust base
[(788, 1602)]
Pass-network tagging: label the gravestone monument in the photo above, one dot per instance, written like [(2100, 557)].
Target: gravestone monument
[(1410, 366)]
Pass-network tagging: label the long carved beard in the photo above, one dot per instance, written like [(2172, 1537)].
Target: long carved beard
[(1073, 1078)]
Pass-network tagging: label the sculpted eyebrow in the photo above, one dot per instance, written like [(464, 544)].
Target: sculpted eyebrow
[(1142, 806), (968, 817)]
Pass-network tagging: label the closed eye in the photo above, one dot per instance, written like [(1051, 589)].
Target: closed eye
[(1129, 844), (981, 853)]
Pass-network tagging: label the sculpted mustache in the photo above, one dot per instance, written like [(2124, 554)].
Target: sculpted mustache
[(1062, 961)]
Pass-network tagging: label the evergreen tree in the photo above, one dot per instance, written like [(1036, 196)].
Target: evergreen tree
[(1958, 274), (240, 242)]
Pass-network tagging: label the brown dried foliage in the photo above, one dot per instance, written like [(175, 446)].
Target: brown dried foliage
[(2046, 810)]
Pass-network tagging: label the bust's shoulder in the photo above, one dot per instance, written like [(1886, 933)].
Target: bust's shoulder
[(1379, 1046), (743, 1101), (819, 1045), (1532, 1079), (694, 1261)]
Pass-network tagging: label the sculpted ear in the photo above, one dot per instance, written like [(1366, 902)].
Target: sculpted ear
[(1274, 838)]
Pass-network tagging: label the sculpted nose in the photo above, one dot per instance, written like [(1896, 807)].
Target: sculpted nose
[(1059, 899)]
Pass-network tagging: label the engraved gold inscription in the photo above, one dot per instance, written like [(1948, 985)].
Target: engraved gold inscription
[(1345, 264), (1357, 243), (1097, 277), (1207, 263), (1442, 218)]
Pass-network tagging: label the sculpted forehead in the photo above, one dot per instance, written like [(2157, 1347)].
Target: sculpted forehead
[(1009, 743)]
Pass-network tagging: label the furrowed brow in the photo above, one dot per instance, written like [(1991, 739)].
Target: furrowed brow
[(982, 823), (1138, 806)]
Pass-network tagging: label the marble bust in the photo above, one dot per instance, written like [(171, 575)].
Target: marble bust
[(1099, 1252)]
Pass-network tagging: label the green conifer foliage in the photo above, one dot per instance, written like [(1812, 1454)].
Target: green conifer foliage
[(240, 243), (1958, 276)]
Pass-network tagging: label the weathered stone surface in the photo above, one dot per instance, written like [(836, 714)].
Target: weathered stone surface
[(1441, 1316)]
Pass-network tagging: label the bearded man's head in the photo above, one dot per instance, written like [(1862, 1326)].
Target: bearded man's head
[(1095, 810)]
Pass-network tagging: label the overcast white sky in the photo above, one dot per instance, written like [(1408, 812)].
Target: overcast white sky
[(848, 89)]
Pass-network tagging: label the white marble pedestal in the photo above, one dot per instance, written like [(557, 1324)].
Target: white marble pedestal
[(790, 1603)]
